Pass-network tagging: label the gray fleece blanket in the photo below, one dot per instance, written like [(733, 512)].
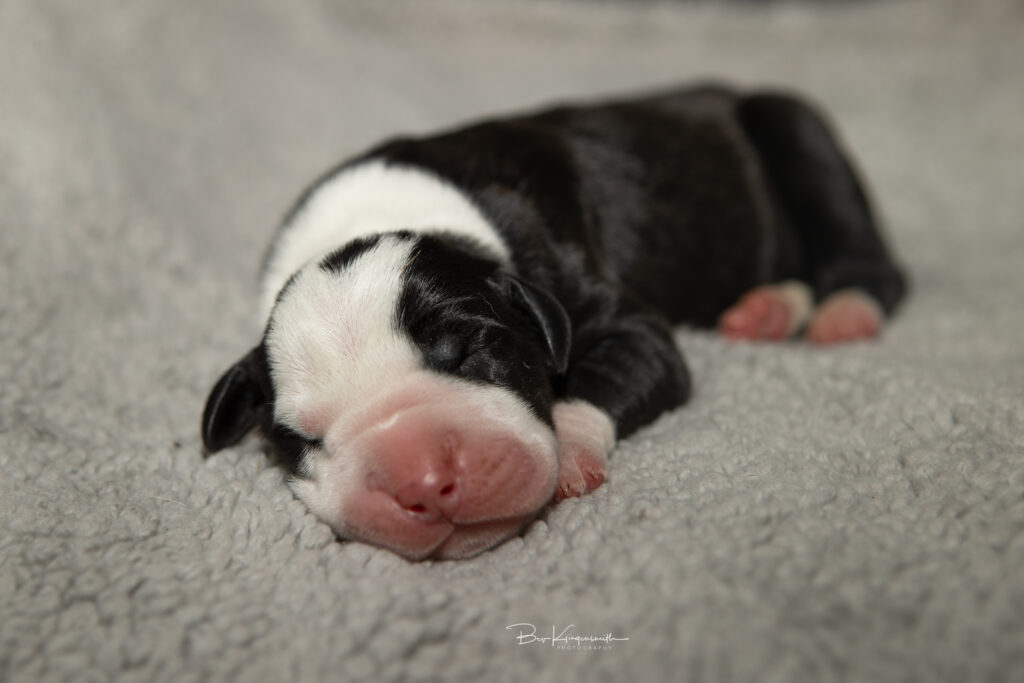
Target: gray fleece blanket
[(854, 513)]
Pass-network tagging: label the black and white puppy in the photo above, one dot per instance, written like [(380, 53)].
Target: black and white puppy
[(460, 326)]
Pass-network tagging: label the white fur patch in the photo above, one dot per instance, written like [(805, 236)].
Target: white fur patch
[(334, 336), (585, 424), (800, 301), (367, 199)]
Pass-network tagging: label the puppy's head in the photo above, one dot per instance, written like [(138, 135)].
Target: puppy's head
[(405, 380)]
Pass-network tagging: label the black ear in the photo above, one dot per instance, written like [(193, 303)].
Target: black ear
[(548, 314), (236, 402)]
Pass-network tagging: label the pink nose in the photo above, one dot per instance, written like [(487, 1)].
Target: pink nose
[(430, 491), (415, 463)]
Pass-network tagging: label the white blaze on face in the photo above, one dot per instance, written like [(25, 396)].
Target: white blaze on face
[(345, 374), (333, 336)]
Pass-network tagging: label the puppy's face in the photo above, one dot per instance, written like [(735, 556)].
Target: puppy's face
[(406, 382)]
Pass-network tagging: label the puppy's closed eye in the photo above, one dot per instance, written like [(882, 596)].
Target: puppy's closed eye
[(445, 351)]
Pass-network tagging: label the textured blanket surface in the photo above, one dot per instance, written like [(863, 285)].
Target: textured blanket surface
[(812, 515)]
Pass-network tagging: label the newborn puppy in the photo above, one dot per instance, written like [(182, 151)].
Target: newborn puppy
[(460, 326)]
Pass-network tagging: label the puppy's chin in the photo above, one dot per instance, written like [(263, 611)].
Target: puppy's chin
[(473, 539), (457, 541)]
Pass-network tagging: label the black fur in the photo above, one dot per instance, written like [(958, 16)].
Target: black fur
[(237, 401), (821, 205), (242, 399), (336, 261), (644, 213), (474, 321), (628, 217), (285, 445)]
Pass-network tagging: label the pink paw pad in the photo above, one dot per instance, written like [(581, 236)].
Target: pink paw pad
[(585, 437), (761, 314), (579, 473), (771, 312), (843, 317)]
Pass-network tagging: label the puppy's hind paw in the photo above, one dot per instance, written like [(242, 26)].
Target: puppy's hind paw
[(767, 313), (845, 316)]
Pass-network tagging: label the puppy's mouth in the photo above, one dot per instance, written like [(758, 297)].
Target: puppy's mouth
[(414, 537)]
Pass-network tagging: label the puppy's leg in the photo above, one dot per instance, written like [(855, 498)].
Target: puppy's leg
[(622, 375), (843, 256)]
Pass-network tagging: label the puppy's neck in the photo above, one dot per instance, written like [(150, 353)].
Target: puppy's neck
[(369, 198)]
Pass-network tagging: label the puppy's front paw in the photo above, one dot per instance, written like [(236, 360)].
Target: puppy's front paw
[(845, 316), (586, 436)]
